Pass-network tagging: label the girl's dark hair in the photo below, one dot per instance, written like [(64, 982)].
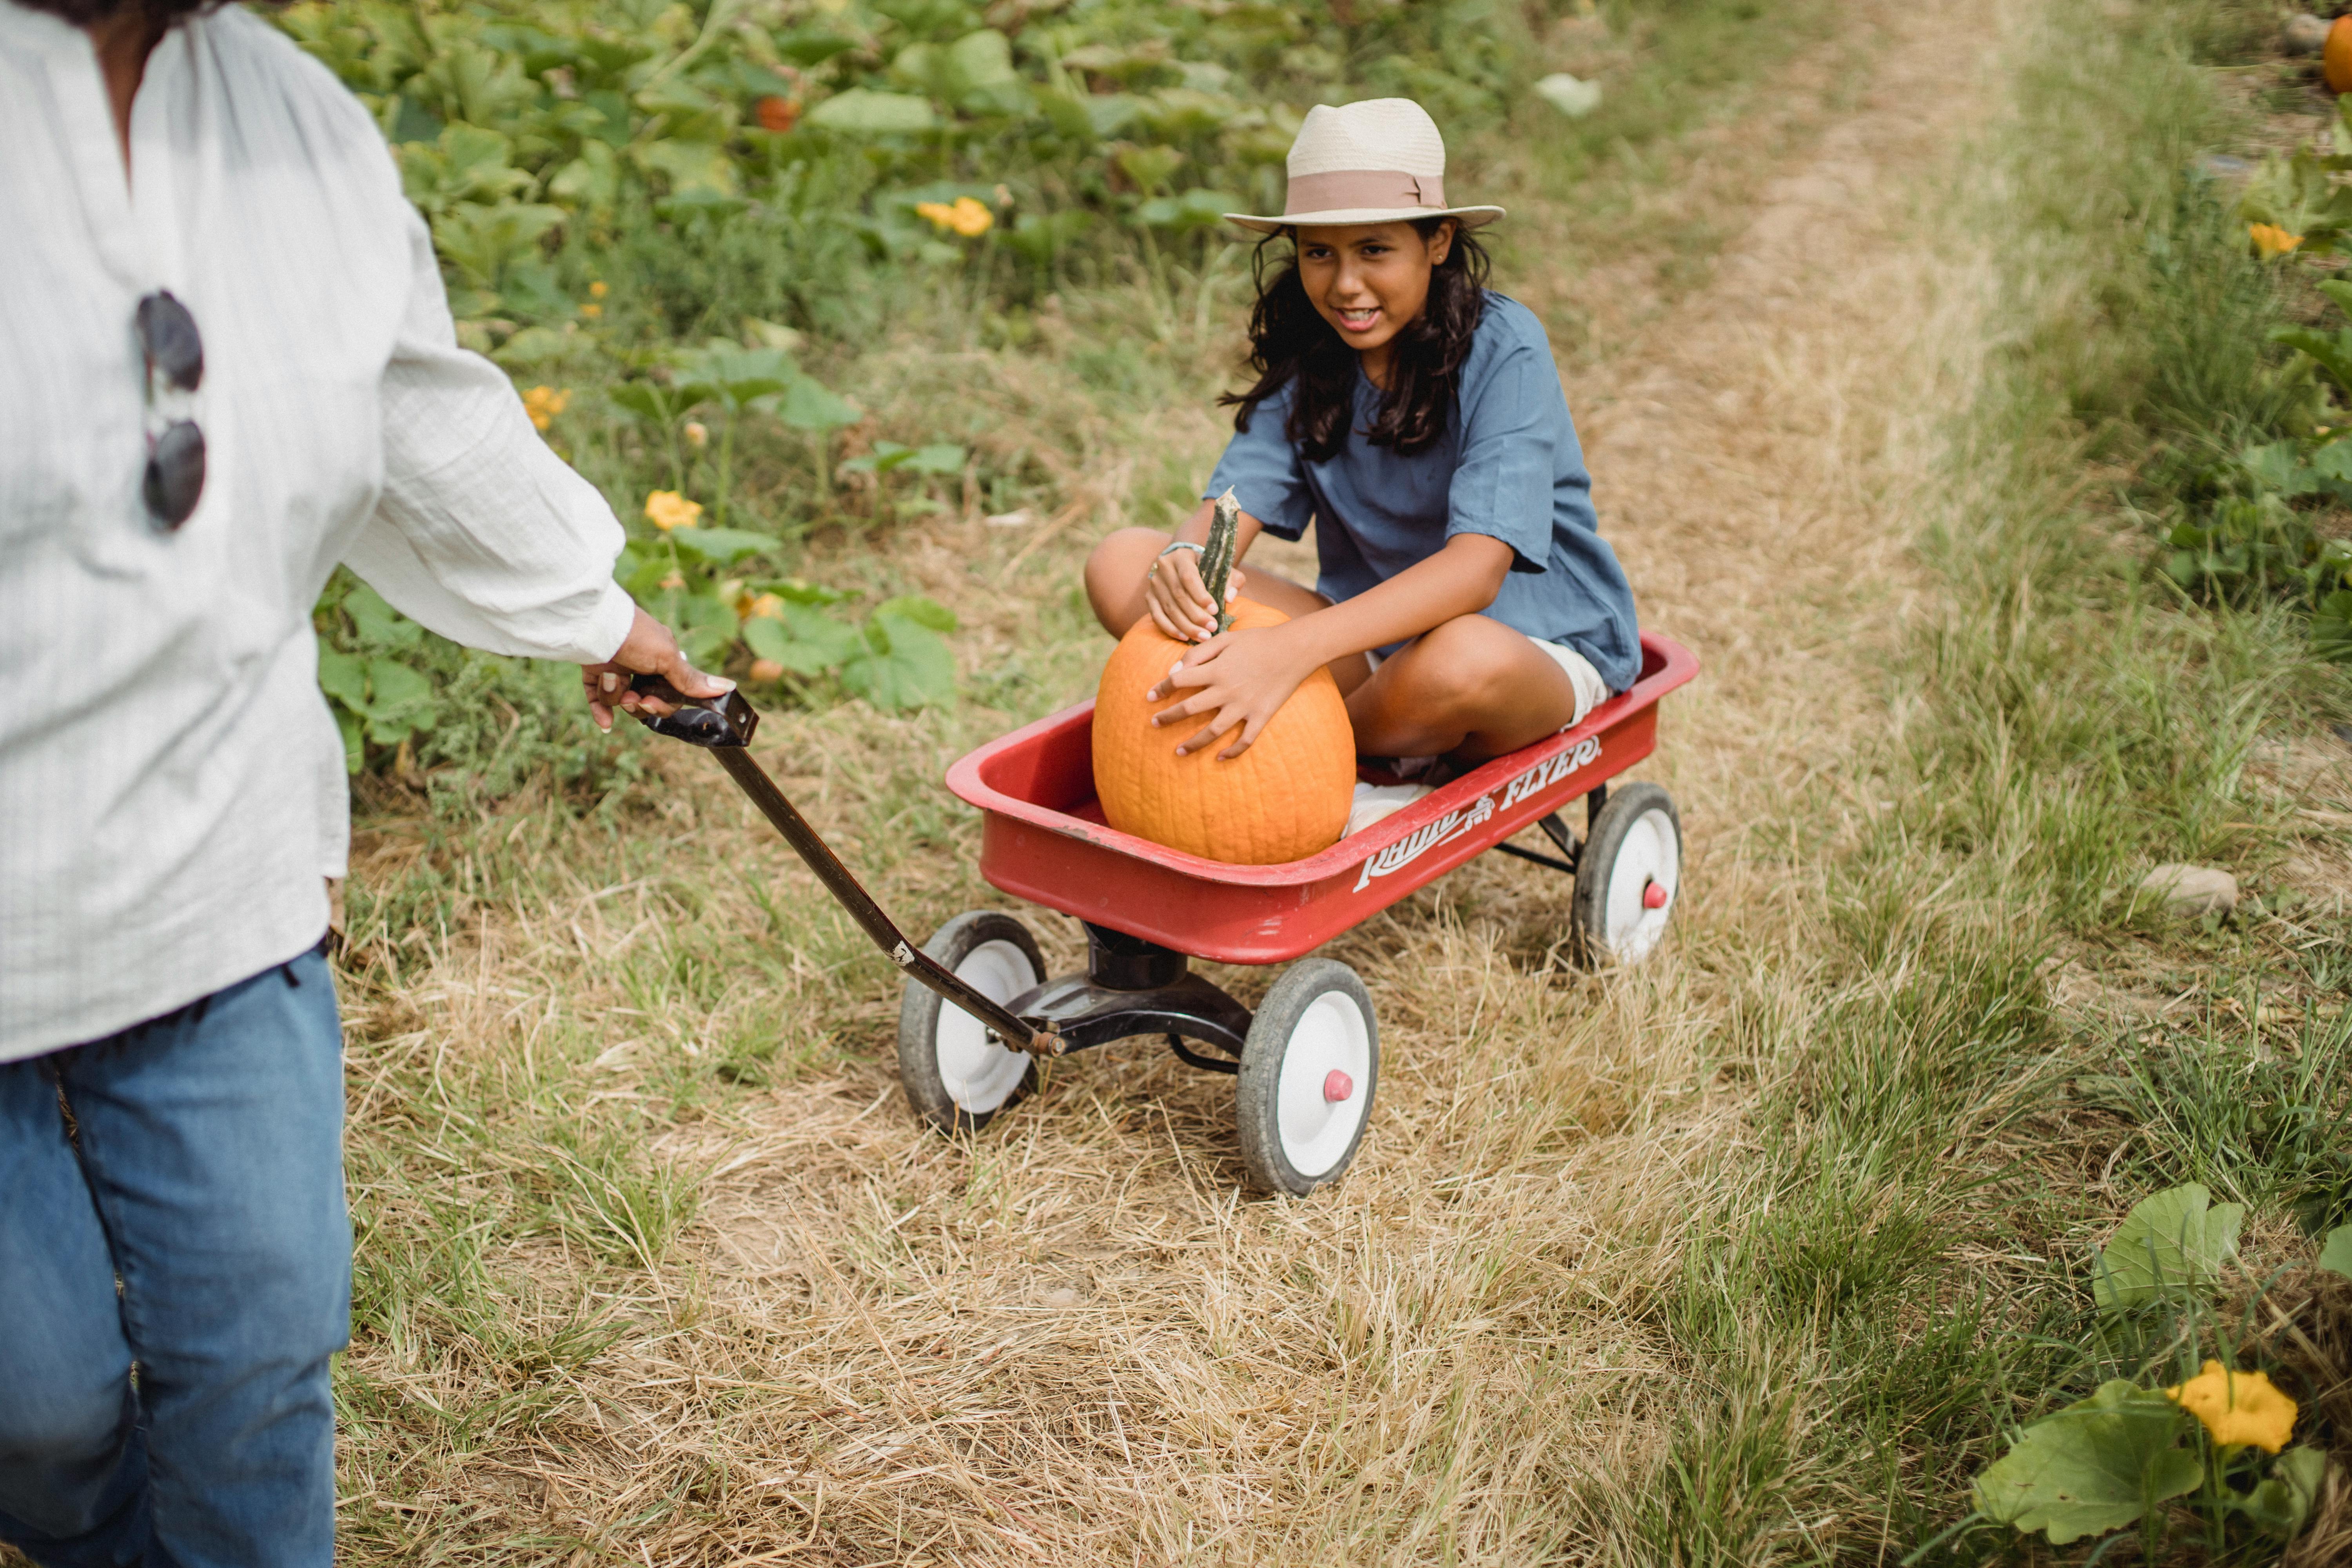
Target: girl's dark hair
[(1291, 342)]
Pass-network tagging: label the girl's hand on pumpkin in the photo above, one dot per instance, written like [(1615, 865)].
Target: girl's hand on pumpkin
[(1242, 677), (1178, 601)]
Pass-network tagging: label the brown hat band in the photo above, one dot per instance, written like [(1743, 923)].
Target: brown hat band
[(1349, 190)]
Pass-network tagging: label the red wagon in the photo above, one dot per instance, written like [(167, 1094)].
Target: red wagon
[(979, 1009)]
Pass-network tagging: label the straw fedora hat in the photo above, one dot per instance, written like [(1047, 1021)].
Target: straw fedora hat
[(1374, 162)]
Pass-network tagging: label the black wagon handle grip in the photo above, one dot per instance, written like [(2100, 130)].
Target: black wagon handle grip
[(710, 722), (724, 726)]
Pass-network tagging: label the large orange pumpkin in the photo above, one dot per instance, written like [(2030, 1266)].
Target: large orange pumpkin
[(2335, 55), (1283, 799)]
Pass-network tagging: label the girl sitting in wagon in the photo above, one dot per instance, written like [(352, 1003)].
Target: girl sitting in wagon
[(1466, 603)]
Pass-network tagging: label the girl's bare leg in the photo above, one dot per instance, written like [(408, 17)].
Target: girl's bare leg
[(1471, 688), (1115, 587)]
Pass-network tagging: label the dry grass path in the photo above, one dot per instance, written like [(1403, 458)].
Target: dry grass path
[(1074, 1342)]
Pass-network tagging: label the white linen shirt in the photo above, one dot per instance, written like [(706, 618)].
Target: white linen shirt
[(171, 788)]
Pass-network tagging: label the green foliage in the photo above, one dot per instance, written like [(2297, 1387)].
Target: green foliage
[(2256, 533), (2110, 1460), (2300, 195), (2267, 1128), (2264, 522), (942, 458), (378, 698), (2338, 1253), (2096, 1466), (2280, 1504), (473, 722), (800, 639), (898, 660), (513, 118), (2171, 1247), (895, 658), (2200, 377)]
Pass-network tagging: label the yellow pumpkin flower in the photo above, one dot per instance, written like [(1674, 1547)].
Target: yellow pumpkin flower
[(767, 607), (2238, 1408), (2272, 240), (591, 310), (599, 288), (543, 404), (666, 509), (964, 216), (765, 669)]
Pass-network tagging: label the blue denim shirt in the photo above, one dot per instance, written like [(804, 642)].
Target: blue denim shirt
[(1508, 466)]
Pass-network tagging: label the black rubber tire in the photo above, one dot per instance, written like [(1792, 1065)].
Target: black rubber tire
[(1258, 1091), (920, 1011), (1621, 819)]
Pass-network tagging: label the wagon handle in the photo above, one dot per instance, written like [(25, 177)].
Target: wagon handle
[(724, 726)]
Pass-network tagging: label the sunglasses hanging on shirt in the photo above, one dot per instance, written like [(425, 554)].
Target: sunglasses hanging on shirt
[(174, 353)]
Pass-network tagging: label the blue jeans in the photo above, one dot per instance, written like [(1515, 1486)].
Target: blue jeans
[(174, 1281)]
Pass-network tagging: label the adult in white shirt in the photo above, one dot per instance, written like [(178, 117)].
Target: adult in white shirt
[(225, 365)]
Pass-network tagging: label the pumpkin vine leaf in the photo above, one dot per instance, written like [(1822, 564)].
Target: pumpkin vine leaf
[(2171, 1246), (2092, 1467), (2336, 1254)]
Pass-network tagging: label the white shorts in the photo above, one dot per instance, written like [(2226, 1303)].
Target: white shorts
[(1592, 691)]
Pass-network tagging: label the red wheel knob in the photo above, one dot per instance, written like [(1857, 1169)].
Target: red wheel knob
[(1337, 1086), (1653, 896)]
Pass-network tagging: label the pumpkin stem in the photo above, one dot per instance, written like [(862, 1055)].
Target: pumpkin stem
[(1217, 559)]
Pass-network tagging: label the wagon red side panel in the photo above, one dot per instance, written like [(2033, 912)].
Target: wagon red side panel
[(1044, 839)]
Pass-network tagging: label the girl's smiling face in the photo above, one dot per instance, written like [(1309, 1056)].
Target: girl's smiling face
[(1369, 280)]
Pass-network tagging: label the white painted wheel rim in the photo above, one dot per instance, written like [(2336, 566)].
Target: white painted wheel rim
[(1651, 852), (978, 1074), (1331, 1035)]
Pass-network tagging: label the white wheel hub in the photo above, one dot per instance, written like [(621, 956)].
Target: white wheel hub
[(1327, 1084), (978, 1074), (1641, 885)]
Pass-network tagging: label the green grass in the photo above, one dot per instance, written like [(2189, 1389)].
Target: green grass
[(2075, 722)]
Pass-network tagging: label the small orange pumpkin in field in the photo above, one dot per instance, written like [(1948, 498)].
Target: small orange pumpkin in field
[(1285, 798), (2335, 55)]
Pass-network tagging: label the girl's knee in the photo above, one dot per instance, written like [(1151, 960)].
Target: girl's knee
[(1125, 547), (1462, 663), (1114, 575)]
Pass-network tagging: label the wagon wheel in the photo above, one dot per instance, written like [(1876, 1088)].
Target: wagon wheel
[(1309, 1067), (1627, 874), (956, 1078)]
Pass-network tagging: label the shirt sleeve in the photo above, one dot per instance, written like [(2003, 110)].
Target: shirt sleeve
[(1504, 480), (482, 534), (1264, 470)]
